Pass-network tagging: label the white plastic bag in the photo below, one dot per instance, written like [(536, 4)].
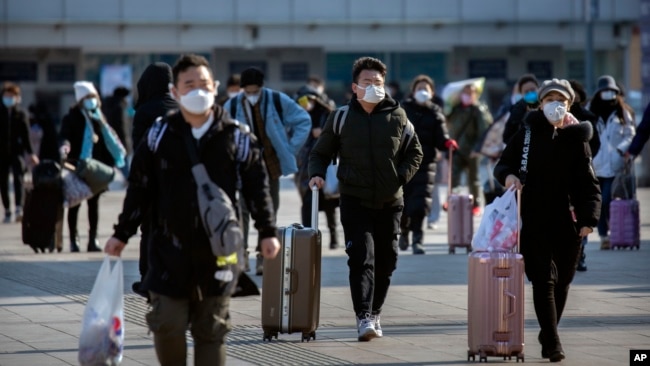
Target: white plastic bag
[(102, 331), (331, 188), (498, 229)]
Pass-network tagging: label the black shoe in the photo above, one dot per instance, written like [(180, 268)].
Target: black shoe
[(74, 246), (334, 245), (93, 246), (135, 287), (403, 241), (582, 267), (417, 248), (556, 355)]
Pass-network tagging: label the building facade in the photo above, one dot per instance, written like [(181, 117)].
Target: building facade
[(46, 45)]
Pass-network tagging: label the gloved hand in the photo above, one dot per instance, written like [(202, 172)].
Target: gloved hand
[(451, 144)]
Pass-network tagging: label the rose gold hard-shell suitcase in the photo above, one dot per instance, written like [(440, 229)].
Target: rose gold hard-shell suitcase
[(460, 223), (495, 303)]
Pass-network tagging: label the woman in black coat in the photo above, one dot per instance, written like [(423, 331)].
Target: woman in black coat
[(429, 122), (86, 134), (550, 160)]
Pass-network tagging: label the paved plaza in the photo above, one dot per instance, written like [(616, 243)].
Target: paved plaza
[(424, 321)]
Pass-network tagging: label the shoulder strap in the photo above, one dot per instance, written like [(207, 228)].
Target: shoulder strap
[(340, 116), (524, 155), (156, 132), (233, 107), (278, 104)]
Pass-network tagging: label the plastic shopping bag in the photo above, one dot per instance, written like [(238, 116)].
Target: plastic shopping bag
[(499, 228), (102, 331), (331, 188)]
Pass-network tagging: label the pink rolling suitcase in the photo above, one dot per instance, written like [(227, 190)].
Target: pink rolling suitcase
[(460, 223), (495, 304), (624, 226)]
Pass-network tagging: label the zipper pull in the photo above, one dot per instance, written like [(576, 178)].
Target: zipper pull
[(573, 213)]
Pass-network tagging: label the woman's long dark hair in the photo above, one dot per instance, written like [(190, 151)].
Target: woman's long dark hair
[(601, 107)]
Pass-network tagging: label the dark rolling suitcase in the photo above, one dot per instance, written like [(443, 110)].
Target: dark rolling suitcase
[(43, 207), (291, 283)]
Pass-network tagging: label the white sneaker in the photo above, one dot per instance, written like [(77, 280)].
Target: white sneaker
[(366, 328), (375, 319)]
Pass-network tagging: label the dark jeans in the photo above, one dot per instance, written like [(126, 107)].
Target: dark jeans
[(208, 320), (246, 215), (371, 245), (606, 194), (16, 166), (550, 266)]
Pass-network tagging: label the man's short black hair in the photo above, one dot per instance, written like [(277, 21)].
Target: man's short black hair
[(367, 63), (187, 61), (233, 80), (252, 76), (525, 79)]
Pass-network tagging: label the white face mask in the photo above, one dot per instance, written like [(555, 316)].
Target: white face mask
[(607, 95), (232, 94), (554, 111), (253, 98), (374, 94), (466, 99), (197, 101), (422, 96)]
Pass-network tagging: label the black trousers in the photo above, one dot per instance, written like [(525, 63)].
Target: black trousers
[(550, 265), (93, 217), (246, 215), (16, 166), (371, 245)]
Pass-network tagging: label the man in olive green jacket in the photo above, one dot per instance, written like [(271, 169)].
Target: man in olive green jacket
[(375, 161)]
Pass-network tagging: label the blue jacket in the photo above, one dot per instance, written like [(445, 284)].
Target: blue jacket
[(287, 134)]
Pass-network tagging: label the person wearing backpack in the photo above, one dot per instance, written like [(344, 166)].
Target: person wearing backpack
[(187, 283), (375, 161), (282, 127)]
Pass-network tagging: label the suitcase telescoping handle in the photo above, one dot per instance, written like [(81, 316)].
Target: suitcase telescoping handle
[(449, 170), (314, 206), (517, 246)]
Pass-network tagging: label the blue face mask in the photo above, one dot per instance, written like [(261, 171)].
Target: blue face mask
[(90, 104), (531, 97), (9, 101)]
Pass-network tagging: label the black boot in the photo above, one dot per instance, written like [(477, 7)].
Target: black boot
[(404, 240), (418, 247), (93, 244), (582, 265)]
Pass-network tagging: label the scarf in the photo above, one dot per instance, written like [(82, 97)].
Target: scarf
[(113, 143)]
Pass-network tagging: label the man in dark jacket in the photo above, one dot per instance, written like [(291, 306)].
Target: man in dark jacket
[(14, 144), (114, 109), (182, 278), (154, 101), (642, 134), (373, 167)]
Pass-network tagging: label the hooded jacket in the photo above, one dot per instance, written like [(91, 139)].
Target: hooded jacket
[(161, 180), (371, 167), (559, 176), (616, 135), (154, 99)]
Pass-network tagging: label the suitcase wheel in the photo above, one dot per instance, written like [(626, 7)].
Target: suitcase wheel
[(471, 356), (308, 336), (452, 250), (268, 336), (520, 356)]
